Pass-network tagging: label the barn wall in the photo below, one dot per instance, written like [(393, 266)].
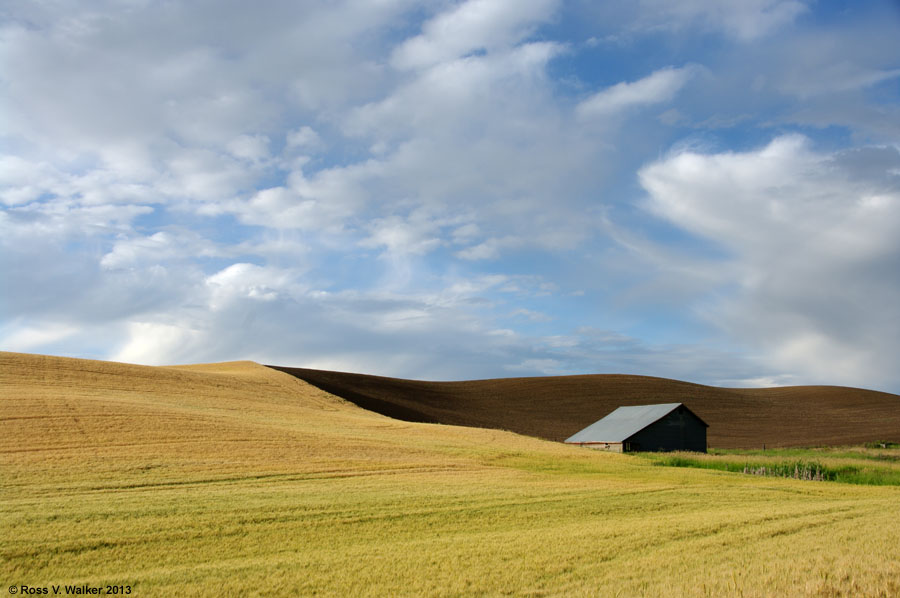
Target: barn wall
[(680, 430)]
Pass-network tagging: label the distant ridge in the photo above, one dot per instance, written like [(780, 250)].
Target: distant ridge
[(556, 407)]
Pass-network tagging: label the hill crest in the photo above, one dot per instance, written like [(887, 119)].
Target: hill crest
[(556, 407)]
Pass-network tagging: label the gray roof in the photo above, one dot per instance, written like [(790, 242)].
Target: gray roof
[(623, 423)]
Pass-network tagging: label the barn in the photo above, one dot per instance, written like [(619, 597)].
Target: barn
[(665, 427)]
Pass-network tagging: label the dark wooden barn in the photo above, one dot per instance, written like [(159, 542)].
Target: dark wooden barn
[(666, 427)]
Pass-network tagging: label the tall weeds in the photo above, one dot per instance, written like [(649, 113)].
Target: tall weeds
[(798, 469)]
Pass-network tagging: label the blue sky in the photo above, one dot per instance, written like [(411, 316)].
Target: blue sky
[(704, 190)]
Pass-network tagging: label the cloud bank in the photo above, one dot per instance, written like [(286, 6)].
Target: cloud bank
[(464, 189)]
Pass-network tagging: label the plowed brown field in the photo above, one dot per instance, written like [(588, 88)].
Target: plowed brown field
[(554, 408)]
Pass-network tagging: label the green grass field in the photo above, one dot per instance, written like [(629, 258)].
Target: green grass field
[(870, 465), (236, 480)]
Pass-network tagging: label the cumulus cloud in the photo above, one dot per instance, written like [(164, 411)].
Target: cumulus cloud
[(140, 251), (473, 138), (249, 147), (325, 201), (815, 251), (139, 133), (171, 98), (441, 97), (27, 338), (156, 343), (417, 191), (412, 236), (305, 138), (269, 314), (471, 26)]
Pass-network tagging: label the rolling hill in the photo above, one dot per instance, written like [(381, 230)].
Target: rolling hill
[(238, 480), (554, 408)]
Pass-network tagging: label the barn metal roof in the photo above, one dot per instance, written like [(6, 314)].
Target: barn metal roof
[(624, 422)]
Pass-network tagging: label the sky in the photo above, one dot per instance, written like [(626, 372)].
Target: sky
[(703, 190)]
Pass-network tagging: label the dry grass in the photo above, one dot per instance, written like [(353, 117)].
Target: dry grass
[(234, 479)]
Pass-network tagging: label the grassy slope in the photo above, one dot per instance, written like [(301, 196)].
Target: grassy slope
[(234, 479), (852, 465), (556, 407)]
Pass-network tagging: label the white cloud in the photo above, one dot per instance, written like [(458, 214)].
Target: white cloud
[(534, 316), (305, 138), (442, 97), (324, 202), (490, 248), (819, 77), (471, 139), (126, 252), (746, 20), (411, 236), (471, 26), (28, 338), (269, 314), (544, 367), (815, 240), (22, 181), (249, 147), (154, 343), (60, 219), (138, 251), (248, 281), (170, 102), (656, 88), (311, 183)]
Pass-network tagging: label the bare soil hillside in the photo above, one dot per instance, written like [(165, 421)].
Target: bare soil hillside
[(556, 407)]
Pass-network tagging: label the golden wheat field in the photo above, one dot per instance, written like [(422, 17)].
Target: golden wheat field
[(238, 480)]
